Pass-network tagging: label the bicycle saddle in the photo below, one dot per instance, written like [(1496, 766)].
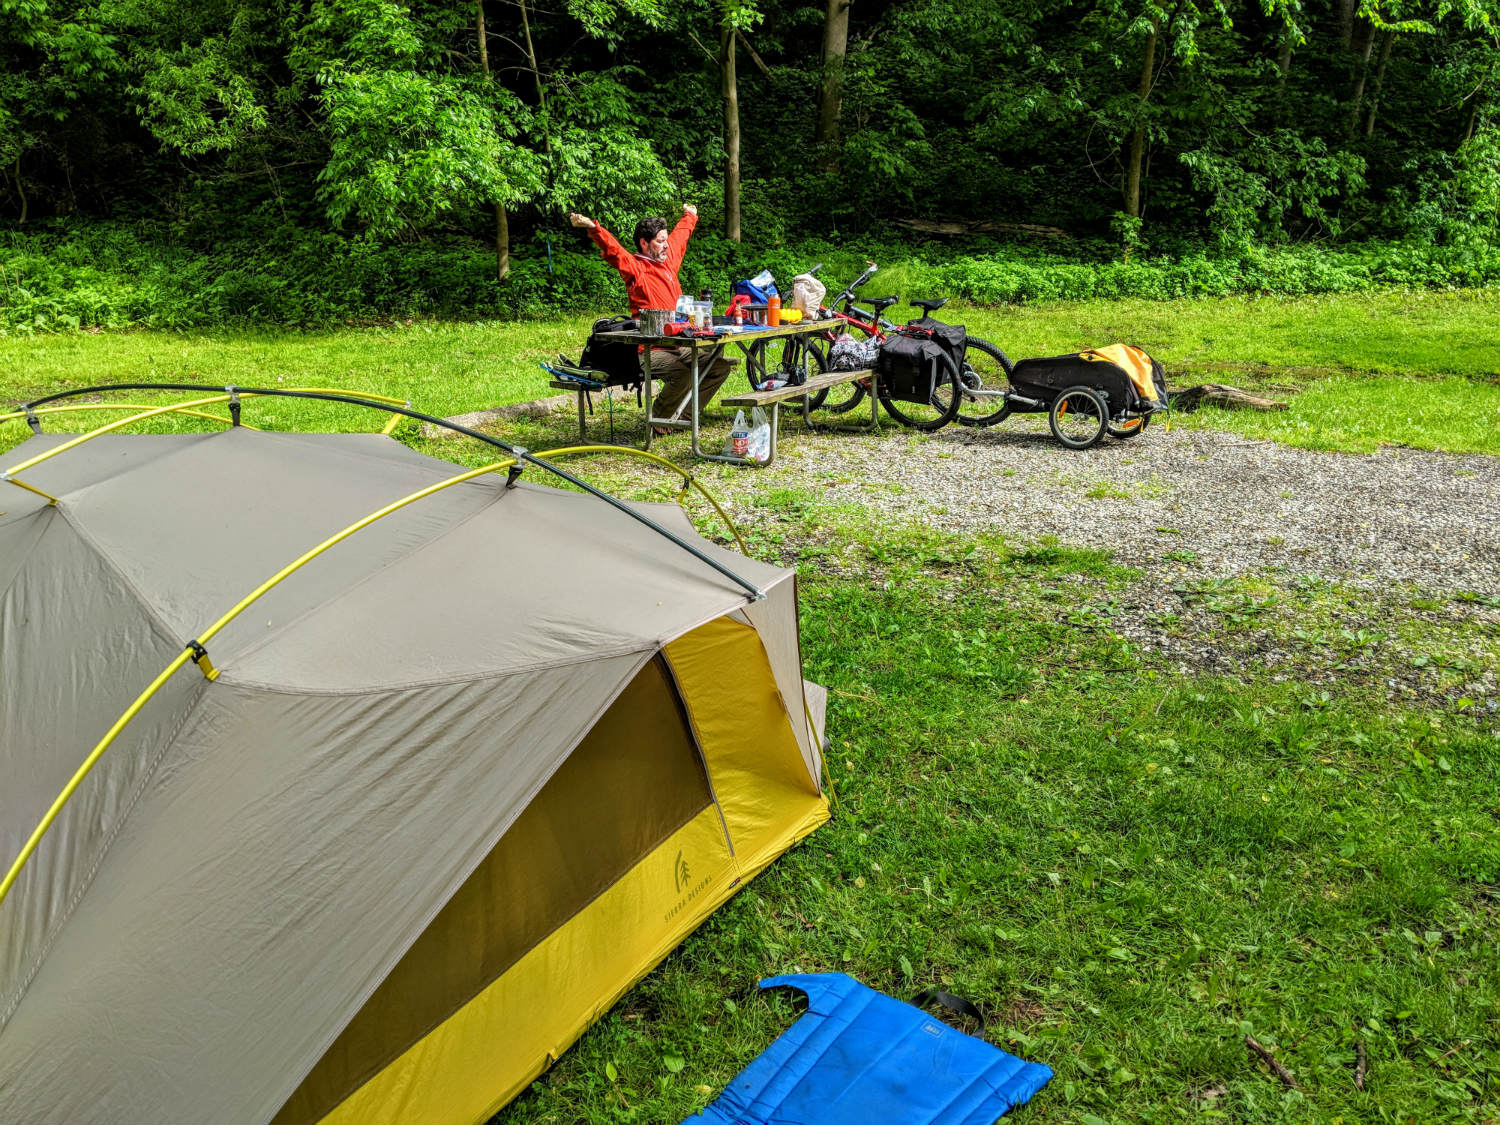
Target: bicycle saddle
[(880, 304), (929, 307)]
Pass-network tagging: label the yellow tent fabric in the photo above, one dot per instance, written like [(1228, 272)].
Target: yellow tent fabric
[(1134, 362), (450, 795), (476, 1060)]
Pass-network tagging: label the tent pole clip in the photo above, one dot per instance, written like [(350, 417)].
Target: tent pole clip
[(33, 421), (200, 658), (234, 405), (513, 474)]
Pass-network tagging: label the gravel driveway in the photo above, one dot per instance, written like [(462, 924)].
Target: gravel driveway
[(1400, 515), (1406, 538)]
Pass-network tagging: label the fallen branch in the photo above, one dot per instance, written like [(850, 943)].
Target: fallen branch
[(1270, 1060), (984, 226), (1360, 1065), (1218, 394)]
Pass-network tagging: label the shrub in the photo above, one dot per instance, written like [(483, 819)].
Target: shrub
[(272, 271)]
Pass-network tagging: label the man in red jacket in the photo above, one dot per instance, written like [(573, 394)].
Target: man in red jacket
[(651, 283)]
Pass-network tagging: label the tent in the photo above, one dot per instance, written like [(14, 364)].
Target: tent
[(457, 783)]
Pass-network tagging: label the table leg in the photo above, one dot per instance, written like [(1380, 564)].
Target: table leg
[(693, 402), (646, 381)]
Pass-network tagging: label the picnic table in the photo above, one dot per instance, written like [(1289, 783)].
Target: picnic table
[(747, 339)]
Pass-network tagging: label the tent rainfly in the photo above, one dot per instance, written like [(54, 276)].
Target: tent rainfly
[(457, 784)]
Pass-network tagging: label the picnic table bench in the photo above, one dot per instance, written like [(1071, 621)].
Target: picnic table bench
[(774, 399)]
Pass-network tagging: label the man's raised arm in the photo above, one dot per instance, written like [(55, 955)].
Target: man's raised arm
[(614, 253), (677, 241)]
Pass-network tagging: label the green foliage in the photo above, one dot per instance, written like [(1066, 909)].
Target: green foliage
[(270, 270)]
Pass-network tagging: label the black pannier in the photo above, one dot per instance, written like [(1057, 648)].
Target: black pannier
[(952, 338), (908, 367), (619, 363)]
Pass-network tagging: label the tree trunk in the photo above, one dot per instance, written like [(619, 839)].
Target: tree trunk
[(1385, 57), (502, 220), (1364, 44), (831, 101), (1138, 135), (1283, 66), (731, 132), (1219, 394), (1346, 23), (502, 242)]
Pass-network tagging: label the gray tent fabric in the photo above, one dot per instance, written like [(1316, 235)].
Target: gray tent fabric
[(253, 855)]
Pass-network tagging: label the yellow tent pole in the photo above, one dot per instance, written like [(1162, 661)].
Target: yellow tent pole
[(113, 406), (47, 496), (83, 771), (158, 410), (195, 651), (687, 478), (110, 428)]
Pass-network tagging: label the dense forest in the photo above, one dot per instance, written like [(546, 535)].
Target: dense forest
[(373, 125)]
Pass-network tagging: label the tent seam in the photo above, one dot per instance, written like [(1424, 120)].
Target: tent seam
[(162, 627), (328, 603), (108, 842), (416, 685), (453, 888), (30, 550)]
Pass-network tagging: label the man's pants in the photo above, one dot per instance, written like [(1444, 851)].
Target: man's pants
[(675, 365)]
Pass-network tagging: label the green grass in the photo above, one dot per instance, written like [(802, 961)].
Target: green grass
[(1359, 414), (1443, 346), (1127, 871), (1418, 332), (1127, 867)]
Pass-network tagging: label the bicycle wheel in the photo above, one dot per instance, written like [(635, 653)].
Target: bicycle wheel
[(1078, 417), (800, 360), (1129, 427), (937, 411), (986, 379)]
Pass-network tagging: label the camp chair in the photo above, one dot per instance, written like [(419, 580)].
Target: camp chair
[(584, 381)]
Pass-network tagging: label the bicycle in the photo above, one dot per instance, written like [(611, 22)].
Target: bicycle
[(983, 375)]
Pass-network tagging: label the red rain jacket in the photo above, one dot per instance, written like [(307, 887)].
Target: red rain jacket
[(648, 284)]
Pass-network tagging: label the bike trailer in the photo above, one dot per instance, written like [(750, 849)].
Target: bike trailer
[(1130, 380)]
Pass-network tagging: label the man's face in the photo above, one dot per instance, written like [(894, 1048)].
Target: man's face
[(656, 248)]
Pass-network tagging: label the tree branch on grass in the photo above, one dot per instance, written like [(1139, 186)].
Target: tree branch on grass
[(1270, 1060)]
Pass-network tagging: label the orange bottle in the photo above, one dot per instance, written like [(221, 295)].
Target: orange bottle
[(773, 311)]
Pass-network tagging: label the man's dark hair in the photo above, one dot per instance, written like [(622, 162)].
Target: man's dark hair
[(648, 228)]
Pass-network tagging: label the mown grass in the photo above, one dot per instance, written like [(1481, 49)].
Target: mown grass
[(1127, 867), (1129, 871), (1359, 414), (1335, 348)]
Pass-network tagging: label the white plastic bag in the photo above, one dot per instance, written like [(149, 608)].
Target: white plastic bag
[(737, 444), (759, 447), (807, 294)]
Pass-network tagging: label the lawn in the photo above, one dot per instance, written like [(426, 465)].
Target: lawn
[(1128, 867)]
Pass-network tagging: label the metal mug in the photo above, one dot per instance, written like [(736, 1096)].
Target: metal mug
[(653, 322)]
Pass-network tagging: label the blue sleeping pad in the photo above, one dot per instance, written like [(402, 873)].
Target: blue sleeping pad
[(858, 1057)]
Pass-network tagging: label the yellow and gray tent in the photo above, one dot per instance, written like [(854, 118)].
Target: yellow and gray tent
[(459, 781)]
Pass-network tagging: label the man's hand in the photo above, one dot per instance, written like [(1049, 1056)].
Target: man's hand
[(689, 209), (581, 221)]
